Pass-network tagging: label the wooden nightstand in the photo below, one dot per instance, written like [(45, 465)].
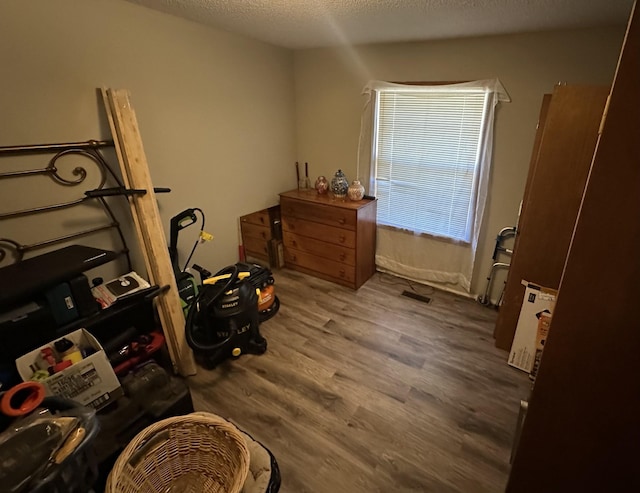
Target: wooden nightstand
[(261, 235)]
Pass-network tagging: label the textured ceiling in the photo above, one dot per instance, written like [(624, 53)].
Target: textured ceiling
[(318, 23)]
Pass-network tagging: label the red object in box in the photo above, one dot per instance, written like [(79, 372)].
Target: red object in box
[(140, 352)]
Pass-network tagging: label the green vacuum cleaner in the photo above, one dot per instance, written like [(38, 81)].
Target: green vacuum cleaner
[(187, 284)]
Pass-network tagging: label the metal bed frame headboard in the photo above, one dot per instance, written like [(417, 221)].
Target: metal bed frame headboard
[(90, 150)]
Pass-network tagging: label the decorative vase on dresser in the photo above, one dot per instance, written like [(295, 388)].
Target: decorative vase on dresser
[(355, 191), (322, 185), (339, 184), (328, 238)]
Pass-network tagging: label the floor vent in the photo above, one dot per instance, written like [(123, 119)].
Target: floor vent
[(416, 296)]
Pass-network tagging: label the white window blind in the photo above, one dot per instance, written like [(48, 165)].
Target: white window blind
[(427, 148)]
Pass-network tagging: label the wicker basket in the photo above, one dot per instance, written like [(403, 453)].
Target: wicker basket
[(196, 453)]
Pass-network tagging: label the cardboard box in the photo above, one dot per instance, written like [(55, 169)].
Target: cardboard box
[(90, 382), (541, 338), (537, 300)]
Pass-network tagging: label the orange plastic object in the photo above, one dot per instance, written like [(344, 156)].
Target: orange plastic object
[(36, 392), (266, 298)]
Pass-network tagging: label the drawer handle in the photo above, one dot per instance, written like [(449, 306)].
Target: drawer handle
[(342, 272), (342, 238), (342, 220), (343, 256), (264, 235), (262, 220), (294, 243), (294, 258)]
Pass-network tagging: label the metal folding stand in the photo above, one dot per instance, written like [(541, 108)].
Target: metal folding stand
[(499, 249)]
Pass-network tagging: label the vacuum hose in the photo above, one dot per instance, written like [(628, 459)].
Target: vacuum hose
[(195, 309)]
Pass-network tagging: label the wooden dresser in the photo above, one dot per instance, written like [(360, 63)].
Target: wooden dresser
[(333, 239), (259, 231)]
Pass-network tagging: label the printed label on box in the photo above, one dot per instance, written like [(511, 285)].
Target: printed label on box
[(536, 300), (75, 382), (544, 321)]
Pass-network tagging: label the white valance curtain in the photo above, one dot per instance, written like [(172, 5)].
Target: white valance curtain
[(444, 262)]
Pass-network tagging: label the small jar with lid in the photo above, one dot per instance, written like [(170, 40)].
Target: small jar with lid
[(339, 184), (355, 191)]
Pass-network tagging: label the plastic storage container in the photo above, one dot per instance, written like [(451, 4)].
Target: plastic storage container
[(79, 470)]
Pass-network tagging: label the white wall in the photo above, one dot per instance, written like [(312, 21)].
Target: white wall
[(220, 115), (215, 110), (329, 104)]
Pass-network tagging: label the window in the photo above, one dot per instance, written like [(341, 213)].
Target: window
[(427, 150)]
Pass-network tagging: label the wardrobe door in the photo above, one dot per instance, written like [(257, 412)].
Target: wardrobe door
[(552, 197)]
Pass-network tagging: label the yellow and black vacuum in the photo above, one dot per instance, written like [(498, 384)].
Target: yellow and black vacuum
[(224, 312), (223, 321)]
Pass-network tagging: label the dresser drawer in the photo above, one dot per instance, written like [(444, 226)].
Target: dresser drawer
[(322, 249), (260, 218), (320, 213), (253, 231), (322, 232), (337, 270), (256, 247)]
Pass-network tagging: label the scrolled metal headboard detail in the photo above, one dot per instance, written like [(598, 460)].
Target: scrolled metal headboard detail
[(89, 150)]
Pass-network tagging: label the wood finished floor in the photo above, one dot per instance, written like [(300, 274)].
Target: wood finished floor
[(371, 391)]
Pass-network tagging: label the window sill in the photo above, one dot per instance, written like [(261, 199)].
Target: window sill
[(444, 239)]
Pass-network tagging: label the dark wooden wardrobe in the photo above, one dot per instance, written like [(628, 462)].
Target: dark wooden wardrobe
[(582, 430), (563, 148)]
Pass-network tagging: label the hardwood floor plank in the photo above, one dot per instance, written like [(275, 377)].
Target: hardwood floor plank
[(372, 391)]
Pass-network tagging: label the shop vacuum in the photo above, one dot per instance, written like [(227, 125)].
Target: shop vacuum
[(224, 312)]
